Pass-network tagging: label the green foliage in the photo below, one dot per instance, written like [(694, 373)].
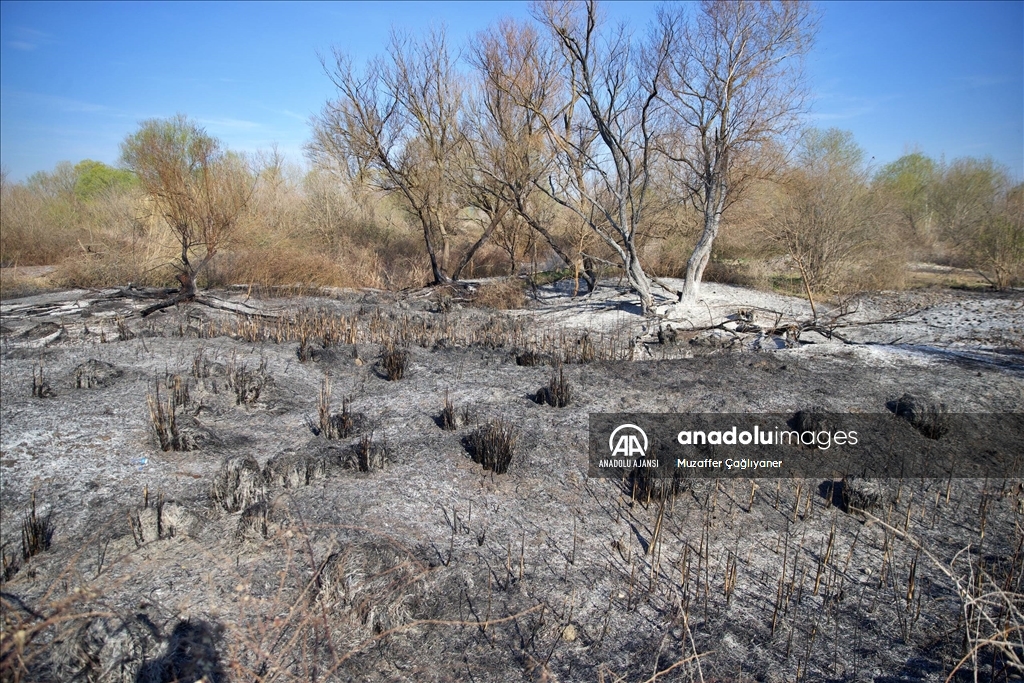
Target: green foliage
[(910, 176), (967, 196), (828, 221), (831, 152), (909, 183), (166, 154), (93, 178)]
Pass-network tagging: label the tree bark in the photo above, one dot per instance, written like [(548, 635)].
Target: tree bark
[(639, 281), (187, 292), (698, 260), (439, 277)]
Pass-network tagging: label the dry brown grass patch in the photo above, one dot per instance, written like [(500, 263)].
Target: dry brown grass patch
[(500, 294)]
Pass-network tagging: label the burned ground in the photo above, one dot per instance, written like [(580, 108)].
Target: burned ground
[(256, 548)]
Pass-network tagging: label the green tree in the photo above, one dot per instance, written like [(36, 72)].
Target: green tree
[(979, 214), (93, 178), (200, 189), (910, 182), (826, 218)]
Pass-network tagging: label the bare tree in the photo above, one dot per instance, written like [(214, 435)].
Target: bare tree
[(199, 189), (509, 155), (733, 84), (397, 125), (601, 131)]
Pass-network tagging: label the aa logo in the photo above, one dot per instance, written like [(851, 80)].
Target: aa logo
[(631, 442)]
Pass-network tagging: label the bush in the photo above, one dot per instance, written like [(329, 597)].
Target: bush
[(493, 445), (393, 362)]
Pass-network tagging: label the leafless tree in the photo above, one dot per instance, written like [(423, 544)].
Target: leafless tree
[(601, 126), (734, 83), (509, 155), (397, 125), (199, 189)]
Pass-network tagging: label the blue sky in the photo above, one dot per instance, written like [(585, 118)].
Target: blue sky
[(944, 78)]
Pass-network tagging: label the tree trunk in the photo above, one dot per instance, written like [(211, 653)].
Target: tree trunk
[(639, 281), (187, 292), (702, 252), (439, 277), (495, 221), (589, 273), (445, 246)]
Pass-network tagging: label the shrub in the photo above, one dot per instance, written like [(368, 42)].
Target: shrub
[(493, 445), (558, 392), (394, 362)]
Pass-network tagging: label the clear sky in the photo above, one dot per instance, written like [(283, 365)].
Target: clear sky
[(945, 78)]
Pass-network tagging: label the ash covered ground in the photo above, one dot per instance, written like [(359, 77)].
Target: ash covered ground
[(265, 550)]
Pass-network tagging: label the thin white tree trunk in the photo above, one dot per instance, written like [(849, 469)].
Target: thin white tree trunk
[(699, 260), (702, 252)]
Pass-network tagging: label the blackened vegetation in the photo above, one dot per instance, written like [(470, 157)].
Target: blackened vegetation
[(493, 445), (247, 384), (239, 484), (254, 522), (331, 425), (859, 495), (292, 469), (96, 374), (40, 386), (451, 418), (36, 532), (394, 362), (532, 358), (558, 393), (929, 418), (9, 566), (163, 415), (448, 419), (644, 484), (811, 420), (370, 456), (160, 519)]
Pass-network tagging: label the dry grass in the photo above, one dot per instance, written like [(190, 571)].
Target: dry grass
[(493, 445), (393, 362), (313, 328), (506, 294)]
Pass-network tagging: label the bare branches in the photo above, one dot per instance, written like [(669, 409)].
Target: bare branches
[(733, 86), (602, 128), (397, 125), (200, 190)]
